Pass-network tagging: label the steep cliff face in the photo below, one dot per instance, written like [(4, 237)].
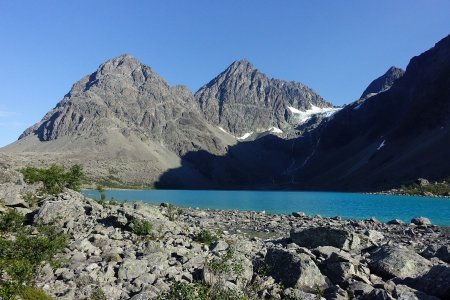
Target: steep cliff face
[(242, 100)]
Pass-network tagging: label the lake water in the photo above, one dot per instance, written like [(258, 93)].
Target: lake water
[(327, 204)]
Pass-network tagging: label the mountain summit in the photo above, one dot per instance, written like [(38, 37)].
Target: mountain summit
[(241, 100), (384, 82)]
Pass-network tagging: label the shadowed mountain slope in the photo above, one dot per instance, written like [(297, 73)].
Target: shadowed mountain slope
[(389, 139)]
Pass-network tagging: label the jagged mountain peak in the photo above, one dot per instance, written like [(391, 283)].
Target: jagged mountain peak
[(119, 64), (241, 63), (242, 99), (239, 68), (384, 82)]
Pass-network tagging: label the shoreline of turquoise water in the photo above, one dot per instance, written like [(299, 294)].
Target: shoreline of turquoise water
[(326, 204)]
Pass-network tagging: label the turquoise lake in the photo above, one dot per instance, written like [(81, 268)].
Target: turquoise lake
[(326, 204)]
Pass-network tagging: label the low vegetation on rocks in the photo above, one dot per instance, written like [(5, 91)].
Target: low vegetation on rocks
[(425, 188)]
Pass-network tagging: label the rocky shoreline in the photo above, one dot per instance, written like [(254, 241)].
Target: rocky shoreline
[(139, 251), (279, 256)]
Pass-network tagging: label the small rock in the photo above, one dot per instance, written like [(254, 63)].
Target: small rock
[(298, 214), (421, 221)]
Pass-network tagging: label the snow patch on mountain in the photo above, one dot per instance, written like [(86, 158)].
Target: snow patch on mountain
[(245, 136), (304, 116), (383, 143), (275, 130)]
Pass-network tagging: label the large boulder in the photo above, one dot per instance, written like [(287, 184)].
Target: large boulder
[(60, 209), (403, 292), (11, 195), (295, 270), (421, 221), (131, 269), (442, 252), (325, 236), (435, 282), (389, 262)]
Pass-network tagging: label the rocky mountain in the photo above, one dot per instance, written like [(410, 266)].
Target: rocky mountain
[(384, 141), (243, 130), (127, 125), (122, 117), (383, 82), (242, 100), (391, 138)]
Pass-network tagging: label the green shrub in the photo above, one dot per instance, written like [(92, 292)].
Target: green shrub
[(438, 189), (205, 237), (226, 264), (173, 212), (54, 178), (141, 227), (20, 258), (11, 221)]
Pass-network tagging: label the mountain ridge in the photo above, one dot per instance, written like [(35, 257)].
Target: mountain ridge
[(125, 116)]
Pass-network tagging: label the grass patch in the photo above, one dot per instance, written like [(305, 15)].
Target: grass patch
[(32, 293)]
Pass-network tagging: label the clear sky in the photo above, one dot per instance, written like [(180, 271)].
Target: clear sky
[(335, 47)]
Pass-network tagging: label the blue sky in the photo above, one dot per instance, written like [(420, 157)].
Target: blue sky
[(335, 47)]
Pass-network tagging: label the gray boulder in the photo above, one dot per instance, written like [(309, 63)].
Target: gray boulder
[(435, 282), (11, 195), (58, 210), (442, 252), (325, 236), (295, 270), (358, 288), (378, 294), (395, 222), (131, 269), (421, 221), (392, 262), (403, 292), (338, 272)]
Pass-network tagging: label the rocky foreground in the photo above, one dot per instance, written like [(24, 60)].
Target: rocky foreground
[(140, 251), (277, 256)]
